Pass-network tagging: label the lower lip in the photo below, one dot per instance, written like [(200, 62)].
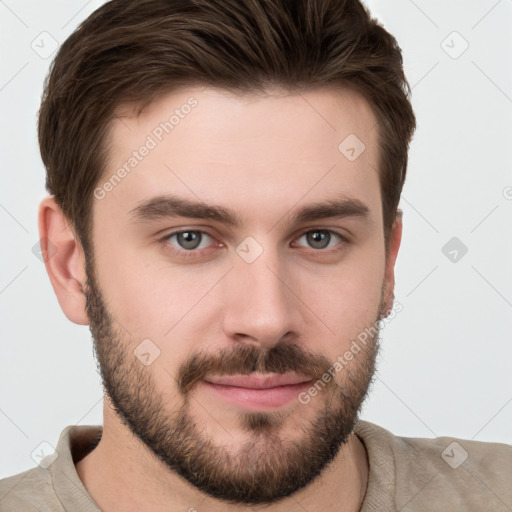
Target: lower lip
[(257, 399)]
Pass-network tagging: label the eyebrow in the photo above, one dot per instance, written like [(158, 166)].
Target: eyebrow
[(169, 206)]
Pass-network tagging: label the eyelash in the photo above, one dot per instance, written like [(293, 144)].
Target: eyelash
[(195, 252)]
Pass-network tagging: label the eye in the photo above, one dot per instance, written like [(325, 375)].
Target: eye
[(189, 240), (322, 238)]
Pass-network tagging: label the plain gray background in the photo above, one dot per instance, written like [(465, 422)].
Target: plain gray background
[(445, 366)]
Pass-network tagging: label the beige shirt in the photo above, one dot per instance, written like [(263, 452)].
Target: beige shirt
[(406, 474)]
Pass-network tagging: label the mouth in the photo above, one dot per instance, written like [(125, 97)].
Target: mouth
[(255, 391)]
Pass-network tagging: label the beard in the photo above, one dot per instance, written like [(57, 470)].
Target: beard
[(267, 467)]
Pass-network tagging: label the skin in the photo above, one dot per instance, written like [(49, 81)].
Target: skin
[(263, 156)]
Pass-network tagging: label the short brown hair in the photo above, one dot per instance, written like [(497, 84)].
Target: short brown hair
[(130, 51)]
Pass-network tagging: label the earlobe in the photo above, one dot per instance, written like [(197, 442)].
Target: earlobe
[(395, 237), (64, 260)]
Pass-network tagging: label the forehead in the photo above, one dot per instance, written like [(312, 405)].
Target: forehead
[(248, 150)]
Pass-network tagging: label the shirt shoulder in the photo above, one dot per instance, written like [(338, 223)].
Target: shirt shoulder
[(53, 485), (30, 491), (445, 473)]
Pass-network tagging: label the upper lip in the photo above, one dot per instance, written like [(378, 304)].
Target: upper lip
[(255, 381)]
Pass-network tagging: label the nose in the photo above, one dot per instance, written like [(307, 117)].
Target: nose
[(260, 305)]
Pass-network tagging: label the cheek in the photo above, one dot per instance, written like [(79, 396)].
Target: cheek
[(347, 295), (153, 300), (350, 312), (142, 294)]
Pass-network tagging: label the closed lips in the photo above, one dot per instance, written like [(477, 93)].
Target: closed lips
[(254, 381)]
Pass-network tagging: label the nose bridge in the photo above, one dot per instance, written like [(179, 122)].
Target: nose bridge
[(259, 304)]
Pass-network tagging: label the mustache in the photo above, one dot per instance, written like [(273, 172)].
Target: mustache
[(246, 359)]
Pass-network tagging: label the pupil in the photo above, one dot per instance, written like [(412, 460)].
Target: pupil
[(189, 239), (319, 239)]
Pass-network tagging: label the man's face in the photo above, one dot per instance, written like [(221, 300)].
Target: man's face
[(176, 300)]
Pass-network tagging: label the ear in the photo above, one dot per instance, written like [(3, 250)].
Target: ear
[(64, 260), (395, 237)]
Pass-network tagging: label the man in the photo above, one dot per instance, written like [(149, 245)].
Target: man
[(225, 179)]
